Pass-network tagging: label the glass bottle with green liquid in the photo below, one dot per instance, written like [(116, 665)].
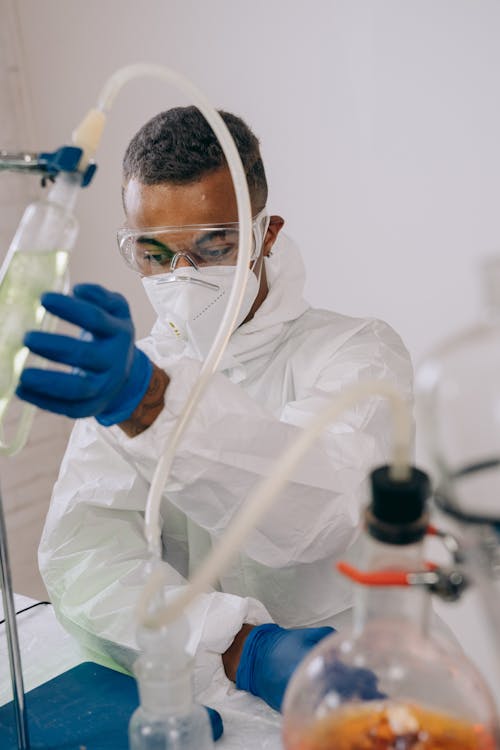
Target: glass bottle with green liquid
[(36, 262)]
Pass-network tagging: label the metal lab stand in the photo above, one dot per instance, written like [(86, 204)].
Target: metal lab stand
[(29, 163), (16, 674)]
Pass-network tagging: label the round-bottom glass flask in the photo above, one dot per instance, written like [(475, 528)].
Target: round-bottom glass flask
[(423, 696), (385, 683)]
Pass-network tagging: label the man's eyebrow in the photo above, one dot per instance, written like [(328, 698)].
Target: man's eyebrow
[(144, 240), (214, 235)]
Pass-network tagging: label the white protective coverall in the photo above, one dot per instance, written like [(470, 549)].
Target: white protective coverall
[(280, 369)]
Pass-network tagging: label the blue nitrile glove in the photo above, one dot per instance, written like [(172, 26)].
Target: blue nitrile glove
[(269, 657), (271, 654), (111, 375), (216, 722), (353, 683)]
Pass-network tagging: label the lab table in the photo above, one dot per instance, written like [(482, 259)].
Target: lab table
[(47, 651)]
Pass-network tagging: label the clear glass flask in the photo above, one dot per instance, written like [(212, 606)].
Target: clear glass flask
[(36, 262), (458, 407), (458, 396), (386, 682), (167, 718)]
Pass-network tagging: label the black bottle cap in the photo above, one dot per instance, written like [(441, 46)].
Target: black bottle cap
[(398, 511)]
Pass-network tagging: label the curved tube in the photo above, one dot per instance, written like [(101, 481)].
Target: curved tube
[(87, 136), (266, 492)]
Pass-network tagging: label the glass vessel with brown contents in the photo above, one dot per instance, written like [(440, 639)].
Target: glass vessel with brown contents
[(392, 726), (390, 682)]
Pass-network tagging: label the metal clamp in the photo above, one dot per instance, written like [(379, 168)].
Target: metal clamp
[(47, 163)]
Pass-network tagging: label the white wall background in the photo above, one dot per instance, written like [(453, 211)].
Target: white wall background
[(379, 122)]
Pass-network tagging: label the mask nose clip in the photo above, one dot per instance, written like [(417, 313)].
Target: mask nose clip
[(178, 256)]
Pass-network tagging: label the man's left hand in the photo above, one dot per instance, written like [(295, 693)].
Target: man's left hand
[(269, 657), (111, 374)]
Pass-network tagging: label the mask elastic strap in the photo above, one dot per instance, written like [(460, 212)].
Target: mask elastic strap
[(261, 257)]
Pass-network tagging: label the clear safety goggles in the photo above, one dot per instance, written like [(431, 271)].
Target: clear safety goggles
[(159, 249)]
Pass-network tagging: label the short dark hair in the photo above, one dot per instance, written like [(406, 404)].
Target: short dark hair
[(179, 146)]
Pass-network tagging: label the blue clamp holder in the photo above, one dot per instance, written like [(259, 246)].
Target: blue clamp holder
[(65, 159)]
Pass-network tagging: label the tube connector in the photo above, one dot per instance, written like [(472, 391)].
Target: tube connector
[(88, 134)]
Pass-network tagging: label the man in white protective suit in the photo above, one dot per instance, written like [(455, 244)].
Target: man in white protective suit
[(284, 362)]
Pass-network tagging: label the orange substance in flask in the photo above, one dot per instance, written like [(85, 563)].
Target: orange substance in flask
[(389, 727)]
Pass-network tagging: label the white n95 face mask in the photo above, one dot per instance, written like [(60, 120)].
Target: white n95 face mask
[(191, 303)]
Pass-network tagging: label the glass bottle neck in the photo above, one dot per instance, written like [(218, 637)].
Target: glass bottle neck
[(409, 605), (65, 190), (168, 697), (164, 670)]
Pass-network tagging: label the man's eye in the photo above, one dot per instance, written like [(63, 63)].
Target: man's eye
[(218, 246), (216, 252), (158, 258), (153, 252)]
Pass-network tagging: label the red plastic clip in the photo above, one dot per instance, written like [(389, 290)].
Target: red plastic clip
[(380, 577)]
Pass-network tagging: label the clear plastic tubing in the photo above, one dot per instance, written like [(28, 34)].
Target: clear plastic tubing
[(268, 489), (94, 123)]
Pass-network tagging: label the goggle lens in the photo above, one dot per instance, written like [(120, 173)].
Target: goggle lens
[(157, 250)]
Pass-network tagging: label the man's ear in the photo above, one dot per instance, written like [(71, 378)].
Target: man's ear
[(275, 226)]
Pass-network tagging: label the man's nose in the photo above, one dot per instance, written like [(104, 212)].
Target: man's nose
[(182, 260)]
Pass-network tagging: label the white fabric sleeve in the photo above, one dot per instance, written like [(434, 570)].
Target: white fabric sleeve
[(233, 441), (93, 559)]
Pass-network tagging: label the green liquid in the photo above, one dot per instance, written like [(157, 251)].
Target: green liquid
[(27, 277)]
